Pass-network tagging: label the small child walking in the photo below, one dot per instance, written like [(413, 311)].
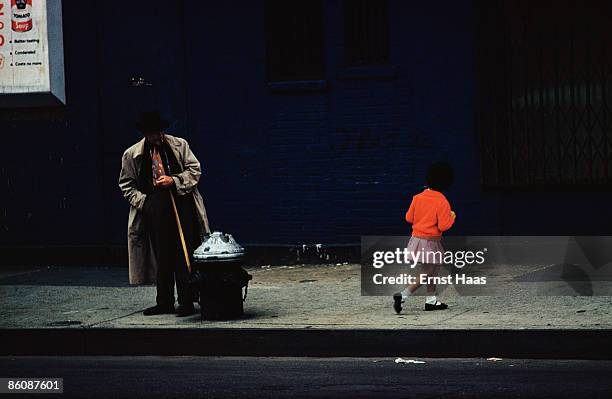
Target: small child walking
[(430, 214)]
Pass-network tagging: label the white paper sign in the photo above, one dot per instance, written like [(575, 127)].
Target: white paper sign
[(31, 50)]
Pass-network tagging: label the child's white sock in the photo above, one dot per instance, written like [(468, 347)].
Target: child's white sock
[(405, 293), (432, 300)]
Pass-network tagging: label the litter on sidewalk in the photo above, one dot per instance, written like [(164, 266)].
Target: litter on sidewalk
[(408, 361)]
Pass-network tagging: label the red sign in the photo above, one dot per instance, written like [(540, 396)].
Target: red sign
[(21, 20), (1, 24)]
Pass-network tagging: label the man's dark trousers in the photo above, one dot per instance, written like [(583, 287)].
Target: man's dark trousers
[(171, 266)]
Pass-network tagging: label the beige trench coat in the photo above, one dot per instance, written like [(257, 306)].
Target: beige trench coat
[(142, 266)]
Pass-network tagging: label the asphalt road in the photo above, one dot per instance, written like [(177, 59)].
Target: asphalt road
[(231, 377)]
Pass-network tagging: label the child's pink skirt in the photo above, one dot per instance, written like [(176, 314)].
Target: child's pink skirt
[(427, 250)]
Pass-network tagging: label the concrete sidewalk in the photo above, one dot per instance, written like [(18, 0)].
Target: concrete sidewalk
[(321, 296), (284, 298)]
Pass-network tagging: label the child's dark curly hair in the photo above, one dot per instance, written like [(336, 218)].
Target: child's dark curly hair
[(440, 176)]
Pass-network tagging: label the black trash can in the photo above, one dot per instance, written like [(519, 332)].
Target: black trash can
[(218, 278)]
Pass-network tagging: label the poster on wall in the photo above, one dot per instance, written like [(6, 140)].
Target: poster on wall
[(31, 53)]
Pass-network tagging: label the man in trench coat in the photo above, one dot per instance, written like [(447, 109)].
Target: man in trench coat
[(154, 249)]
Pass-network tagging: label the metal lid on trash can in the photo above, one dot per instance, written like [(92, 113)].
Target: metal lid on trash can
[(218, 247)]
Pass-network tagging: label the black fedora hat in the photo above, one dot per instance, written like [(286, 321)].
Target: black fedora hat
[(150, 121)]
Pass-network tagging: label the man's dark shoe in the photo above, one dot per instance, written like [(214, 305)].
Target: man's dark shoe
[(437, 306), (157, 309), (185, 310), (397, 303)]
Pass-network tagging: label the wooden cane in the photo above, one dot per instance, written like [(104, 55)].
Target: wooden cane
[(158, 171), (180, 229)]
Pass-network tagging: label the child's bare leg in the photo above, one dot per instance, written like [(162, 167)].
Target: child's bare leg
[(431, 271), (413, 287)]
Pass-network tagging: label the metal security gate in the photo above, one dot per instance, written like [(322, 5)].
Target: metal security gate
[(544, 72)]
